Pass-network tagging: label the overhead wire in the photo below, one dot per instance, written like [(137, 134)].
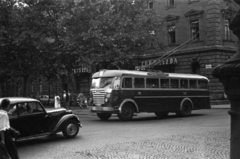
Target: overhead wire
[(169, 53)]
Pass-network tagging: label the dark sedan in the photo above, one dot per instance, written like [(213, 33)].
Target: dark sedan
[(32, 119)]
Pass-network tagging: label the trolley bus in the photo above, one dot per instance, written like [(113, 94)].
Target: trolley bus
[(125, 92)]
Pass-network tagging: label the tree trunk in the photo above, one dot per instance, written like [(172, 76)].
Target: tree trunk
[(73, 86), (25, 79)]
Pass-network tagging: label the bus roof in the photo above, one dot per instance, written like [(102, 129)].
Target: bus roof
[(119, 73)]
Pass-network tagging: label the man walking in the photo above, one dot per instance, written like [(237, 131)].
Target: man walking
[(65, 99)]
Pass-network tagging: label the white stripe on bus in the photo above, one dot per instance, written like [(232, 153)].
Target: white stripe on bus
[(171, 96)]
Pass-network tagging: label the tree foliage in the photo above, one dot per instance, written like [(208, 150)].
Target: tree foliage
[(47, 37)]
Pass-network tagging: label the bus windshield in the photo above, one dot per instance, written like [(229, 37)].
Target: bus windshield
[(104, 82)]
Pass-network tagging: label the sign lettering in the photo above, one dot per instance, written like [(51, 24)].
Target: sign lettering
[(81, 70), (168, 61)]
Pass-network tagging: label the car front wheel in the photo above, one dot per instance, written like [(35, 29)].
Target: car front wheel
[(70, 129)]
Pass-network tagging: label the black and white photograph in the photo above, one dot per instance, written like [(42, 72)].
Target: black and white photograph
[(119, 79)]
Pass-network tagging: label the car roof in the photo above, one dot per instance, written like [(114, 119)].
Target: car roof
[(19, 99)]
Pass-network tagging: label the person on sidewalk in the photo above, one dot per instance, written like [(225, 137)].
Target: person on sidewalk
[(57, 101), (5, 130), (65, 99), (81, 100)]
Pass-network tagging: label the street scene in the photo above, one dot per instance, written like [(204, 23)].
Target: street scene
[(203, 135), (119, 79)]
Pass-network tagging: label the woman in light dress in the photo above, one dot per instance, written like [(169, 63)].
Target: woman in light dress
[(57, 101)]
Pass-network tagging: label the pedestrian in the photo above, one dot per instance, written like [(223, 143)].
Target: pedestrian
[(6, 131), (65, 100), (37, 96), (70, 101), (81, 99), (57, 101)]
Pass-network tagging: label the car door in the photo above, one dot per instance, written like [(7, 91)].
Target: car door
[(17, 122), (37, 118)]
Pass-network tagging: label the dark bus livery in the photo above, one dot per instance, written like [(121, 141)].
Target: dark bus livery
[(125, 92)]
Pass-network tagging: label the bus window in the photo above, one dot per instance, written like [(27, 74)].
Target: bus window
[(193, 84), (139, 83), (105, 82), (152, 83), (127, 83), (174, 83), (184, 83), (164, 83), (202, 84)]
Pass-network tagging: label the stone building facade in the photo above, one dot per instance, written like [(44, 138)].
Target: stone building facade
[(197, 38)]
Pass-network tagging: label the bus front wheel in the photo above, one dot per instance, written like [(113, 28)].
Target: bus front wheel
[(104, 116), (126, 113), (186, 109), (161, 115)]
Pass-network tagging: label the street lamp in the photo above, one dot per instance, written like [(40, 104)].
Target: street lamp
[(229, 74)]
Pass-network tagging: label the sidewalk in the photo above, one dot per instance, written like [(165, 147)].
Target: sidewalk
[(221, 106)]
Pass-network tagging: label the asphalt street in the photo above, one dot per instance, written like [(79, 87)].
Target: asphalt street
[(204, 135)]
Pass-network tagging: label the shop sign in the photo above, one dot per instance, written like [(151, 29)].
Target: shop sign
[(81, 70), (168, 61), (209, 66), (140, 68)]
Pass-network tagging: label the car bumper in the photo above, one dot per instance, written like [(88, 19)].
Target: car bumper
[(103, 109)]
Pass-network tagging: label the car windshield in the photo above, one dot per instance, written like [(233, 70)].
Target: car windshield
[(104, 82)]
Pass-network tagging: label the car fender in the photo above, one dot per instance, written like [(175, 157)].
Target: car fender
[(62, 121), (130, 101)]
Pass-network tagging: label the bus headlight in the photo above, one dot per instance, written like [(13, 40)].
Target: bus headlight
[(106, 100), (107, 96)]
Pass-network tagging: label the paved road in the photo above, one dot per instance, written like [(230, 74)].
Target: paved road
[(204, 135)]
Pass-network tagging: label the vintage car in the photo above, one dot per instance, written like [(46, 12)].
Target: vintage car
[(32, 119)]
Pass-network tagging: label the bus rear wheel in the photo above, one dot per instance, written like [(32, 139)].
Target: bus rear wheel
[(186, 109), (126, 113), (104, 116), (161, 115)]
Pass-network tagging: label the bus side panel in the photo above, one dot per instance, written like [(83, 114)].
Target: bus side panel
[(201, 103), (156, 101), (125, 94), (200, 99)]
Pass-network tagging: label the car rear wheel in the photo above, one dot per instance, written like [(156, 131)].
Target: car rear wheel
[(161, 115), (104, 116), (70, 129), (126, 113)]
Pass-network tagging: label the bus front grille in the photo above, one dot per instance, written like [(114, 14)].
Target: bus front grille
[(98, 98)]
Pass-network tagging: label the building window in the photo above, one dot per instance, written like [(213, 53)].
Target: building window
[(227, 30), (172, 34), (150, 5), (195, 67), (171, 2), (195, 29)]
